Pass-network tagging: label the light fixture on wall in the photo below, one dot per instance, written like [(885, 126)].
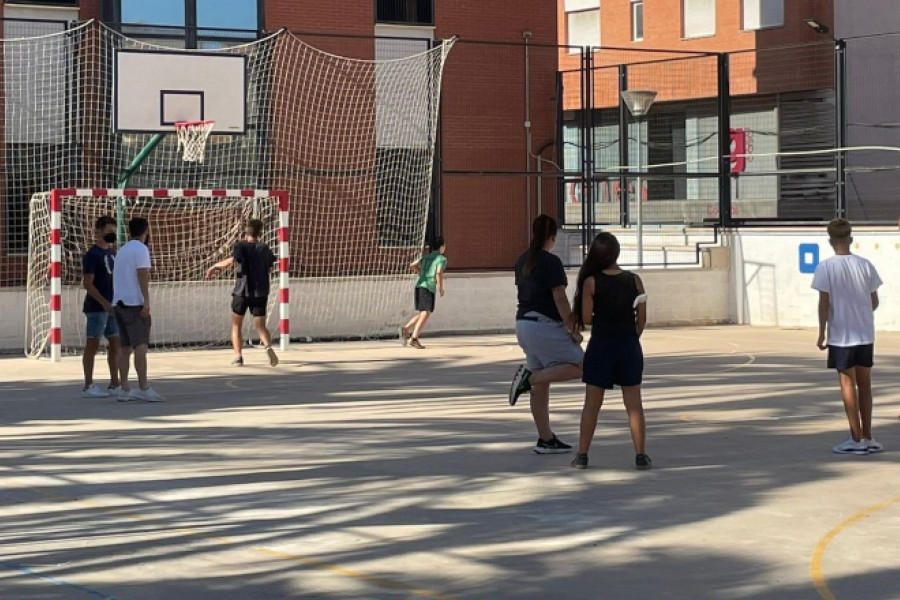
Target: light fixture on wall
[(816, 26)]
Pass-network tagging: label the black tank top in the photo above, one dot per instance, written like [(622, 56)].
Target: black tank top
[(614, 304)]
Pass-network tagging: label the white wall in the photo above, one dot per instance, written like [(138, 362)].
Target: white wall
[(769, 289), (475, 302)]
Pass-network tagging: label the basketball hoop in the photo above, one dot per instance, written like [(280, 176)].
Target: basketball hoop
[(192, 136)]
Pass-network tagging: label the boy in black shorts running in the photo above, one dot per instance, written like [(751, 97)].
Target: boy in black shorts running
[(254, 261), (430, 282)]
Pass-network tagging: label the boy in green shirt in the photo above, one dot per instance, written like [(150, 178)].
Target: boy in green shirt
[(431, 280)]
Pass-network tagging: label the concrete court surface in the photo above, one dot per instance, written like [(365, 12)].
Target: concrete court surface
[(370, 471)]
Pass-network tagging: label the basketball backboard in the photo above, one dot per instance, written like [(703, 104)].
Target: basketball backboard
[(156, 88)]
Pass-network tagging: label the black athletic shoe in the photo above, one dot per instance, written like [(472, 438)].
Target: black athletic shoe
[(642, 462), (552, 446), (415, 343), (520, 384), (580, 461), (238, 362)]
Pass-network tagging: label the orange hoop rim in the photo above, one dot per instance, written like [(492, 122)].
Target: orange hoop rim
[(182, 124)]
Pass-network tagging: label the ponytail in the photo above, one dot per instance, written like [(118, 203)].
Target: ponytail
[(542, 229)]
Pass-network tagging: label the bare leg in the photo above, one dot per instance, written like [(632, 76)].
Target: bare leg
[(540, 409), (851, 403), (262, 330), (555, 373), (237, 322), (412, 322), (140, 365), (864, 387), (420, 325), (124, 365), (593, 400), (91, 346), (631, 395), (112, 360)]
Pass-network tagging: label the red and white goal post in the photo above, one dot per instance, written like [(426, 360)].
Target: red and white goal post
[(190, 230)]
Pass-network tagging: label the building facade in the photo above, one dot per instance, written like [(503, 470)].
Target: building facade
[(773, 60)]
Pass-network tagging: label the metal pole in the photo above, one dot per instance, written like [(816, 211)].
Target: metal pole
[(840, 121), (638, 195), (624, 209), (724, 141)]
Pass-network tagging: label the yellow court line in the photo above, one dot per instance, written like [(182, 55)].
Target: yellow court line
[(815, 564), (278, 554)]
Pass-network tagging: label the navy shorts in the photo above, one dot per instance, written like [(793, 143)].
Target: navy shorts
[(613, 360), (424, 299), (847, 357)]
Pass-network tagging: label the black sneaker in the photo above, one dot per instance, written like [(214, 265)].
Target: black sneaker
[(642, 462), (580, 461), (552, 446), (520, 384), (238, 362), (415, 343)]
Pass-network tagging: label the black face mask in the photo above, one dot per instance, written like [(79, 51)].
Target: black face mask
[(109, 238)]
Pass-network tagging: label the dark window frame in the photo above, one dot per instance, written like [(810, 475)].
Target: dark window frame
[(397, 12), (61, 3), (191, 33)]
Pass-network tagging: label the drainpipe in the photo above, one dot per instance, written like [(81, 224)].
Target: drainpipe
[(526, 35)]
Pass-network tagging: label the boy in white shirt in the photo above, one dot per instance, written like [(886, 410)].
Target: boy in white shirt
[(848, 296), (131, 299)]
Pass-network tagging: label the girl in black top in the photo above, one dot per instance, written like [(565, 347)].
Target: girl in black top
[(611, 301)]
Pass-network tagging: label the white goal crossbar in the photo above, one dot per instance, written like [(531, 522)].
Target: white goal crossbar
[(57, 197)]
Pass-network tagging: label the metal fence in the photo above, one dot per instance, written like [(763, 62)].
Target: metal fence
[(737, 139)]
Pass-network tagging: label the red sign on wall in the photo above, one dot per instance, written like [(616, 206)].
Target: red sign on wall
[(740, 145)]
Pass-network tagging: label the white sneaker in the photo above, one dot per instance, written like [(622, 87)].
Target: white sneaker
[(849, 446), (93, 391), (873, 446), (125, 395), (148, 395)]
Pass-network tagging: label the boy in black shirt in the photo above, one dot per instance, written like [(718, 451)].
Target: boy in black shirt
[(251, 289), (97, 267)]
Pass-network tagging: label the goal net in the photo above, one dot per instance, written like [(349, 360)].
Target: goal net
[(190, 230), (350, 139)]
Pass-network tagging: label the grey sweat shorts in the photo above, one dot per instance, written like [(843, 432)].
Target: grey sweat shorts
[(546, 343)]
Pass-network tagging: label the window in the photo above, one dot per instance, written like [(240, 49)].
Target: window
[(637, 20), (406, 12), (759, 14), (582, 23), (698, 18), (207, 24)]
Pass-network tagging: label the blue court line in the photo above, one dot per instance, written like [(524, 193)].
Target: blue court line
[(56, 580)]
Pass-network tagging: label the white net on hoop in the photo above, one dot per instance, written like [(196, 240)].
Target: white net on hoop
[(192, 136)]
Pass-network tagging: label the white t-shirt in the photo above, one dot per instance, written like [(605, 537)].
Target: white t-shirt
[(849, 281), (126, 289)]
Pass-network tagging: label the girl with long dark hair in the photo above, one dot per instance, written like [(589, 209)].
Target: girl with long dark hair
[(613, 303), (552, 347)]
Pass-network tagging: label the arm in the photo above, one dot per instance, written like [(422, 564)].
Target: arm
[(824, 309), (587, 302), (222, 264), (144, 282), (641, 308), (875, 301), (565, 311), (87, 282), (439, 276)]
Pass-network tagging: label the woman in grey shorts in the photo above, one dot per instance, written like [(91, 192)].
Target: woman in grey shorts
[(543, 328)]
